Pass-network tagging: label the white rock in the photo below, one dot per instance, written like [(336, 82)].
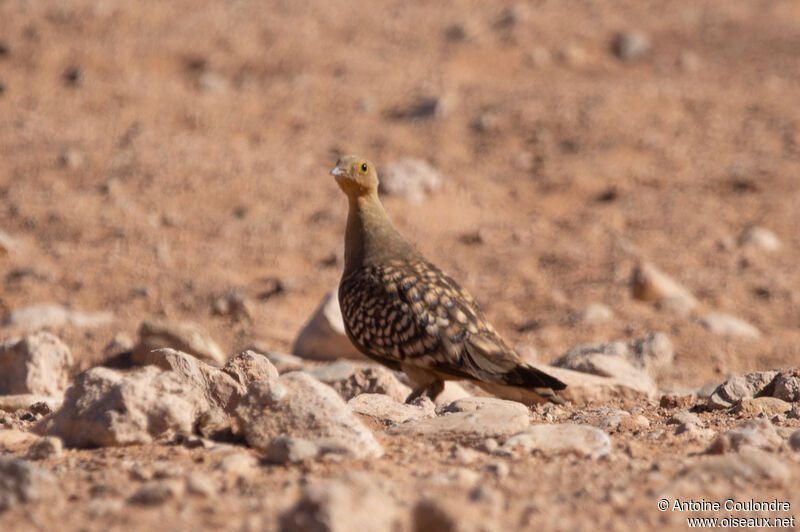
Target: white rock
[(471, 419), (239, 464), (356, 502), (565, 438), (413, 179), (323, 337), (752, 433), (594, 314), (298, 406), (53, 316), (200, 484), (727, 325), (761, 238), (106, 407), (21, 482), (37, 364), (187, 337), (387, 411)]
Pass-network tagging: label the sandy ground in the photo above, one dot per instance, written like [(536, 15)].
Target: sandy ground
[(154, 156)]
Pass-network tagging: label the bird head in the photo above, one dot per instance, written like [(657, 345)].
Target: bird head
[(355, 175)]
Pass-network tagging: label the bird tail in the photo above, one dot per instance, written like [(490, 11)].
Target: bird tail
[(527, 396)]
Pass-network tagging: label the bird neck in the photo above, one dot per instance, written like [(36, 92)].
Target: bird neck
[(370, 236)]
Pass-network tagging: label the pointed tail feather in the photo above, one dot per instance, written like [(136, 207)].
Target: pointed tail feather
[(527, 396)]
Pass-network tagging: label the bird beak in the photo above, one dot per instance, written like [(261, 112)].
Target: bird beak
[(337, 171)]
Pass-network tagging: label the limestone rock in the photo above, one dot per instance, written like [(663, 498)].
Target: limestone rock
[(739, 387), (565, 438), (106, 407), (21, 482), (471, 420), (413, 179), (249, 366), (37, 364), (356, 502), (323, 337), (386, 411), (652, 354), (351, 379), (187, 337), (220, 390), (761, 405), (584, 388), (298, 406), (727, 325), (787, 385), (53, 316), (752, 433)]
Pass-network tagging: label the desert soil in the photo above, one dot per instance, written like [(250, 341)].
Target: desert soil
[(155, 156)]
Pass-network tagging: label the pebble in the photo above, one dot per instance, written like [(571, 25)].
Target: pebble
[(471, 420), (387, 411), (752, 433), (184, 336), (727, 325), (760, 238), (412, 179), (46, 448), (357, 501), (761, 405), (54, 316), (564, 438), (239, 464), (648, 283), (594, 314), (739, 387), (631, 45)]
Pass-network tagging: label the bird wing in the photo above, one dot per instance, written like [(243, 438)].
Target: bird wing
[(411, 312)]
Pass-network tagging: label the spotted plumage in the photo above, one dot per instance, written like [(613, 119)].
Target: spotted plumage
[(404, 312)]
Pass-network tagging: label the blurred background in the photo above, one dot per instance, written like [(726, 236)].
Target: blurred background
[(172, 158)]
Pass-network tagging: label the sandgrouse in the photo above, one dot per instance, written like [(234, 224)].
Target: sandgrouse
[(403, 312)]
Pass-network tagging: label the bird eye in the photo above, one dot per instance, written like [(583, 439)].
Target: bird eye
[(364, 167)]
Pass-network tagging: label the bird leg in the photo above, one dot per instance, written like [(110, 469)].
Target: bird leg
[(426, 383)]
